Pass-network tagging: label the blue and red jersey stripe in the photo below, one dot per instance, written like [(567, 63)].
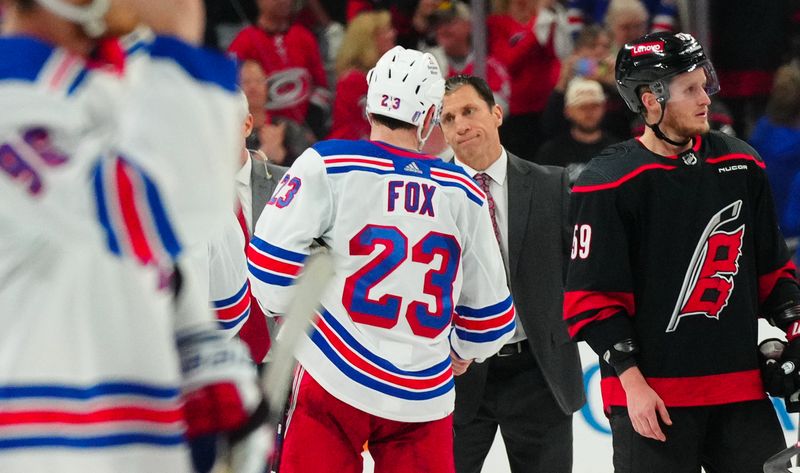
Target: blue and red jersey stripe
[(233, 311), (485, 324), (93, 416), (273, 265), (130, 210), (374, 372)]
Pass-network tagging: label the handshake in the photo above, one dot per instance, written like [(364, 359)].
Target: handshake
[(780, 370)]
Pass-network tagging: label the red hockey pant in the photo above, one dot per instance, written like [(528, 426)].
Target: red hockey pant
[(325, 434)]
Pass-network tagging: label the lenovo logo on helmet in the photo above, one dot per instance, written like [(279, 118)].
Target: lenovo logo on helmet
[(647, 48)]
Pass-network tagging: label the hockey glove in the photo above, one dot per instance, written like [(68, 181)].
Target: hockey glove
[(223, 404), (770, 352)]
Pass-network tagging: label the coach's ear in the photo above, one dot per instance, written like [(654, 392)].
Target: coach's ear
[(497, 111)]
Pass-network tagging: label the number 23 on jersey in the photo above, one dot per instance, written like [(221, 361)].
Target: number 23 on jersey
[(438, 281)]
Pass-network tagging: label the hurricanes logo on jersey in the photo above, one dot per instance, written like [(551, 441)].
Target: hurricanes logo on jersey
[(708, 282)]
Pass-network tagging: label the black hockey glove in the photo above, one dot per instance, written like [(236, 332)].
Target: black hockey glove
[(780, 370)]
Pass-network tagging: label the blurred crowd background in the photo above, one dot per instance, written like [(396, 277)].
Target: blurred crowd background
[(550, 63)]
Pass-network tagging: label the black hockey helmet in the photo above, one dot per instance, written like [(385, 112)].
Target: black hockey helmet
[(653, 60)]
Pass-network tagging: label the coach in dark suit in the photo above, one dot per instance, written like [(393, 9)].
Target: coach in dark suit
[(256, 181), (531, 387)]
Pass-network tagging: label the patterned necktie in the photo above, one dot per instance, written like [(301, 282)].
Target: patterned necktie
[(483, 179), (254, 332)]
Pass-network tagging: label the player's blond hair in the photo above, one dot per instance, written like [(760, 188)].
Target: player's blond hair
[(358, 50)]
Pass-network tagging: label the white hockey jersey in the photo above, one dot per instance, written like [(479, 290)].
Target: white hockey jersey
[(104, 179), (417, 271), (221, 266)]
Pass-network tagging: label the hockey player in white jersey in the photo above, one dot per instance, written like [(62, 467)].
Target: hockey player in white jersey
[(418, 276), (221, 266), (107, 170)]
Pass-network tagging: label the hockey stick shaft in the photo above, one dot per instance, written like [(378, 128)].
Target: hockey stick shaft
[(277, 378), (777, 463)]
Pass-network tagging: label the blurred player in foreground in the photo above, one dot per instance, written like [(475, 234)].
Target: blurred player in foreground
[(109, 166), (418, 279)]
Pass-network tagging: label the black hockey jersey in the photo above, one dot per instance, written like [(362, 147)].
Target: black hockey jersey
[(679, 253)]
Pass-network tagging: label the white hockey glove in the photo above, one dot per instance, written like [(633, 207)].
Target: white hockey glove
[(224, 407)]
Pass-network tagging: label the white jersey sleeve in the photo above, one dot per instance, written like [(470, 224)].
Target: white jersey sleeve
[(481, 324), (153, 187), (300, 210), (229, 289)]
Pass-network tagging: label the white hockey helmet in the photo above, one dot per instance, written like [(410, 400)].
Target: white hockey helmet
[(403, 85), (91, 17)]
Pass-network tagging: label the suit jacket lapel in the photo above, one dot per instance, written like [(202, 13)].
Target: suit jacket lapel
[(261, 187), (520, 191)]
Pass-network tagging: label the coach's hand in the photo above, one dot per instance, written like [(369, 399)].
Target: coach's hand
[(460, 365), (644, 405)]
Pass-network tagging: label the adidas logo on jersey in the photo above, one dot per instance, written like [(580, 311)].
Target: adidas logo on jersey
[(412, 167)]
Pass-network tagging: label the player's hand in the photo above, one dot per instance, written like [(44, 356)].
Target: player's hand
[(184, 19), (645, 407), (789, 371), (459, 365), (223, 403)]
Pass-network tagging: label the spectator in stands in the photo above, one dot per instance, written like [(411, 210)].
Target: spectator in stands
[(777, 138), (411, 18), (368, 36), (590, 60), (664, 14), (528, 38), (289, 54), (750, 41), (452, 23), (627, 20), (790, 224), (278, 137), (584, 107), (318, 17)]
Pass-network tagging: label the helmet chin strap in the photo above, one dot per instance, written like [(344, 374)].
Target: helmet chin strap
[(423, 139), (660, 134)]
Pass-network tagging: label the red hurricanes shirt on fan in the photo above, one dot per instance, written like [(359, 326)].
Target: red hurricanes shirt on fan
[(349, 116), (293, 65), (533, 67)]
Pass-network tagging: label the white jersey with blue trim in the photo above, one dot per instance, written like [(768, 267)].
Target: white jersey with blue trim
[(221, 266), (105, 176), (418, 272)]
